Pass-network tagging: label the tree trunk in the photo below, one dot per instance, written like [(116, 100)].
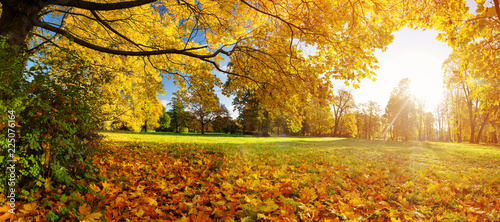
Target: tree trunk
[(495, 138), (145, 126), (15, 21), (336, 126), (483, 123), (472, 122), (266, 124)]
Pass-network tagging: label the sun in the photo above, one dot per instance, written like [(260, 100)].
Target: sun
[(424, 71)]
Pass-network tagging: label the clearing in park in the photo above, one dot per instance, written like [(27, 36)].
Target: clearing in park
[(217, 177)]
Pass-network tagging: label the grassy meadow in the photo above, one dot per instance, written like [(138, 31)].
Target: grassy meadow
[(216, 177)]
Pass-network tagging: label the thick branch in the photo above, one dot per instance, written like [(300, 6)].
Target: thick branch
[(89, 45), (497, 8), (102, 6)]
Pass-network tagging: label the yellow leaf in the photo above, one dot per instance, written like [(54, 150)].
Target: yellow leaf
[(262, 216), (151, 201), (240, 182), (106, 185), (4, 213), (139, 213), (159, 211), (183, 219), (93, 217), (27, 208), (395, 220), (269, 206)]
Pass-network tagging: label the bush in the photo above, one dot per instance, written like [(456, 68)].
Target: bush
[(56, 104), (184, 130)]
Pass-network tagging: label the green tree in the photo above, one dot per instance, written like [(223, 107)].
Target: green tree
[(178, 116), (164, 122)]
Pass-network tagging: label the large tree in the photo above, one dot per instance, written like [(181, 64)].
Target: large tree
[(467, 91), (343, 102), (400, 112)]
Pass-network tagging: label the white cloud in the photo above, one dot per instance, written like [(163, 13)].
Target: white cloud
[(234, 114), (165, 102)]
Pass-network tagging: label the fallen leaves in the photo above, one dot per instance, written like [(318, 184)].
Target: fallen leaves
[(188, 182)]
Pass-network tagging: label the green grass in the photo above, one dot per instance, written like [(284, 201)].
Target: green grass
[(411, 180)]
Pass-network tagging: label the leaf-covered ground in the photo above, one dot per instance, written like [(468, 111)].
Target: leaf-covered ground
[(223, 178)]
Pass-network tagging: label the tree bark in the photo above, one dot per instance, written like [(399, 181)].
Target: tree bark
[(16, 20), (483, 123), (472, 122), (265, 124)]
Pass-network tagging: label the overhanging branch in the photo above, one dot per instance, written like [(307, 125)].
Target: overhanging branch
[(105, 24), (186, 52), (102, 6)]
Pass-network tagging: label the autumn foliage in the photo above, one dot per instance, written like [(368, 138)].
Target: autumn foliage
[(277, 180)]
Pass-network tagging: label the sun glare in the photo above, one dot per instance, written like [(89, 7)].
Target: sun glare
[(416, 55), (424, 71)]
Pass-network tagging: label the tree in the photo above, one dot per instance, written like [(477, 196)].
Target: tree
[(420, 118), (164, 122), (441, 119), (343, 101), (223, 121), (428, 126), (178, 116), (399, 112), (189, 39), (204, 107), (347, 126), (319, 118), (368, 120), (459, 79)]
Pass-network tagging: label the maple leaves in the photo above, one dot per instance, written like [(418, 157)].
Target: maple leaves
[(308, 180)]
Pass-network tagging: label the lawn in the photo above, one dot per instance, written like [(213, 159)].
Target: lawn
[(216, 177)]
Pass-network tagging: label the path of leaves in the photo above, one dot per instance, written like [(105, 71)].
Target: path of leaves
[(187, 182)]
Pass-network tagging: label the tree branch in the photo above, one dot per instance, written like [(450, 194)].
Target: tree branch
[(274, 16), (89, 45), (102, 6), (105, 24), (497, 8)]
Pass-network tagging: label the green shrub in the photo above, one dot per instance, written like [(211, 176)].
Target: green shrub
[(56, 104)]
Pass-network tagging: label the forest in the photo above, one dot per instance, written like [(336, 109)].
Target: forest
[(72, 70)]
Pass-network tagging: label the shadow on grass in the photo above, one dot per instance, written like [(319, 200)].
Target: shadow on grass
[(295, 141), (208, 134)]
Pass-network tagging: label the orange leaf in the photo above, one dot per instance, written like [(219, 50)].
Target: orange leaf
[(84, 209), (4, 213), (29, 207)]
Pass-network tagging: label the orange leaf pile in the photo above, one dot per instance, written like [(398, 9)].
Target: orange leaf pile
[(303, 182)]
